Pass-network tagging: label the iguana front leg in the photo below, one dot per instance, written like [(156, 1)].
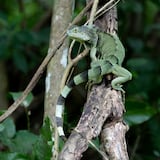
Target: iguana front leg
[(93, 54), (94, 45), (123, 75)]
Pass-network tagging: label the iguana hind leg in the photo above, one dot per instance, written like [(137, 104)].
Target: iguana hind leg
[(123, 75)]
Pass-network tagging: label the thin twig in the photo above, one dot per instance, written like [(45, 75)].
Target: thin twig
[(65, 77), (106, 6), (93, 12), (72, 62), (70, 51), (98, 150), (42, 67), (104, 9)]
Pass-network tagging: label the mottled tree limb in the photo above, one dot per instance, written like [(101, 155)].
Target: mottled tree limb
[(102, 114), (104, 106), (62, 13), (113, 134)]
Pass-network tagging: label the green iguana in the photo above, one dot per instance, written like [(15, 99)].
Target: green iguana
[(107, 54)]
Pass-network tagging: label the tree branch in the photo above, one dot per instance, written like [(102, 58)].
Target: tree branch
[(42, 67), (103, 113)]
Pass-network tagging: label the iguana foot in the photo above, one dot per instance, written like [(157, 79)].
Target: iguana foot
[(118, 88)]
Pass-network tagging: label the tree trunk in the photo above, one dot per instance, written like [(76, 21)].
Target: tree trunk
[(61, 17), (102, 114)]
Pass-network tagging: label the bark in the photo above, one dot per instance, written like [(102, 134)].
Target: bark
[(62, 16), (102, 114), (103, 106)]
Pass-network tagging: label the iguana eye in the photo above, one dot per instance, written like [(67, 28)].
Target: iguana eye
[(76, 30)]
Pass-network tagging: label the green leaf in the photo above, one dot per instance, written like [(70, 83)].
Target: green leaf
[(13, 156), (151, 10), (20, 142), (8, 129), (23, 142), (43, 146), (138, 112), (46, 130), (42, 150), (8, 156), (26, 102), (2, 127)]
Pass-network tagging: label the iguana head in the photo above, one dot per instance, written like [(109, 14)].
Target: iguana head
[(80, 33)]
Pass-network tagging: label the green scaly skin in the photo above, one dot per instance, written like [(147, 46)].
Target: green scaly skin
[(107, 54)]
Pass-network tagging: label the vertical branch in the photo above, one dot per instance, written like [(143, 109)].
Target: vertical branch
[(62, 11), (113, 132), (93, 12), (51, 52), (102, 114)]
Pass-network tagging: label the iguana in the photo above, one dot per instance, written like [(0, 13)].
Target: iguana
[(107, 54)]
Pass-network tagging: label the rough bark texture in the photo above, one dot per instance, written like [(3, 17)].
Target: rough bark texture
[(113, 132), (113, 140), (103, 113), (103, 106), (62, 16), (56, 68)]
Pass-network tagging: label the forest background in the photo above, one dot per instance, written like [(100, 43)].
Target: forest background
[(24, 40)]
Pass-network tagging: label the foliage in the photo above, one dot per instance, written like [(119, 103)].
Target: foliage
[(23, 46), (140, 31), (23, 144), (44, 144), (26, 102), (19, 40)]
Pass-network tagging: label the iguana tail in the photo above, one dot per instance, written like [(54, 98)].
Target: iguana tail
[(94, 74), (80, 78)]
